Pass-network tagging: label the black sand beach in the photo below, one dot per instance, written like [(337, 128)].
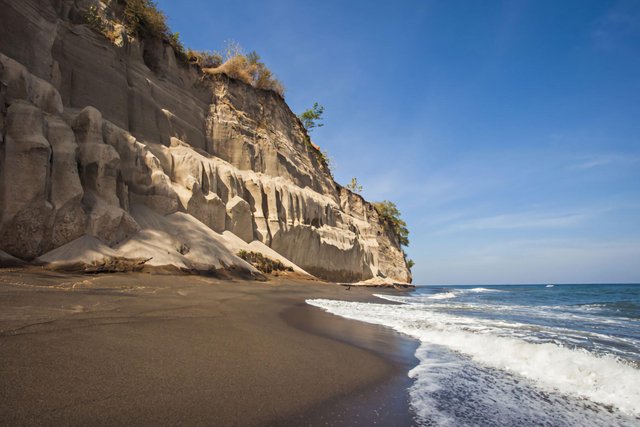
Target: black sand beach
[(141, 349)]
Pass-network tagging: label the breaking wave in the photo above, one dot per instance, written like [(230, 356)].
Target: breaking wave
[(506, 362)]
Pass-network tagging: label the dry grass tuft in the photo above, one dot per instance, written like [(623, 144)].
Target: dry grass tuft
[(247, 68), (204, 59)]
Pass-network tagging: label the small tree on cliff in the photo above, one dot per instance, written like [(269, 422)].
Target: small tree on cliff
[(390, 215), (409, 261), (354, 186), (312, 117)]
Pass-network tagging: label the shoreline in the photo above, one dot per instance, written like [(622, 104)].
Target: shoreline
[(162, 349), (384, 402)]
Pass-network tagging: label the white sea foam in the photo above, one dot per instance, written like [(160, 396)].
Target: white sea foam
[(580, 313), (543, 331), (445, 295), (551, 367), (482, 290), (451, 390)]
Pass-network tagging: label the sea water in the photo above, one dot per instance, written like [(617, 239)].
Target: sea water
[(525, 355)]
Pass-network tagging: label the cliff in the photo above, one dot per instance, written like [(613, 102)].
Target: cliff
[(115, 150)]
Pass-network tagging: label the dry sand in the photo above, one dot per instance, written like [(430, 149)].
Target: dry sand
[(142, 349)]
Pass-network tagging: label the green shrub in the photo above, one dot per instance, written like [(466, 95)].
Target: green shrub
[(310, 120), (390, 216), (312, 117), (262, 263), (409, 261)]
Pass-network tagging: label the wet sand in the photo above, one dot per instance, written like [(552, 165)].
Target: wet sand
[(145, 349)]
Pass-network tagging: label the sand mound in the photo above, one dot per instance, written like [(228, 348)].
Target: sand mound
[(237, 244), (88, 255), (86, 249), (7, 260), (181, 241), (175, 242)]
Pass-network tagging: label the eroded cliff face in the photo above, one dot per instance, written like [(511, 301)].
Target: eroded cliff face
[(119, 148)]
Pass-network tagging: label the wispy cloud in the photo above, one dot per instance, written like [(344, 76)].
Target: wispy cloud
[(606, 160), (516, 221), (593, 163), (536, 261), (618, 25)]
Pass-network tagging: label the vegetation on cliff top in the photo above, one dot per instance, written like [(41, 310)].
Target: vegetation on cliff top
[(143, 19), (205, 59), (140, 18), (246, 67)]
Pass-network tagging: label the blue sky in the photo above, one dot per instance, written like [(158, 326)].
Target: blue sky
[(508, 133)]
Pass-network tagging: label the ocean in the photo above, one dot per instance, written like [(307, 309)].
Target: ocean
[(525, 355)]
